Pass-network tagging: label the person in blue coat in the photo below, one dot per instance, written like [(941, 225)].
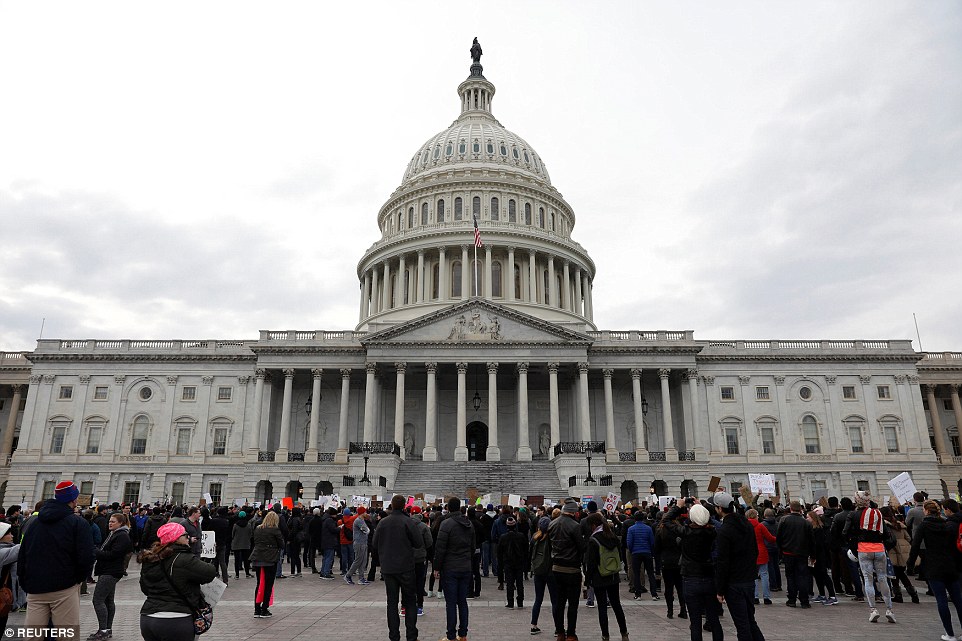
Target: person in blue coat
[(641, 546)]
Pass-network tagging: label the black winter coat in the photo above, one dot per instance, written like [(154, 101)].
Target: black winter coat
[(187, 573), (696, 549), (737, 550), (941, 555), (149, 537), (57, 551), (668, 545), (454, 549), (395, 538), (110, 555), (267, 545), (221, 528)]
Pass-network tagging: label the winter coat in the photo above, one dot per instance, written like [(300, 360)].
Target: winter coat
[(395, 539), (938, 537), (641, 539), (899, 552), (454, 549), (345, 524), (823, 552), (241, 535), (696, 549), (795, 537), (567, 544), (512, 549), (669, 547), (110, 555), (593, 560), (427, 541), (186, 572), (221, 528), (195, 535), (57, 550), (764, 538), (154, 521), (268, 543), (737, 553)]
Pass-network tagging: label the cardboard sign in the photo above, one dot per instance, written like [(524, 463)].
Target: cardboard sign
[(714, 483), (611, 502), (514, 500), (208, 499), (209, 550), (85, 500), (762, 483), (316, 503), (486, 500), (428, 498), (663, 501), (903, 487), (472, 495)]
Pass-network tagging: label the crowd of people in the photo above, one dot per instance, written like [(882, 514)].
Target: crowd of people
[(705, 559)]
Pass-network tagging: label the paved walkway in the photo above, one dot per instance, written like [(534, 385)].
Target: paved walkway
[(309, 609)]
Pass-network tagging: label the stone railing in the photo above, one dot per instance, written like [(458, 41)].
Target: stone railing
[(318, 335), (14, 359), (138, 346), (265, 457), (656, 457), (639, 335), (856, 345), (955, 358), (375, 447), (295, 457), (628, 457), (579, 447), (686, 455), (325, 457)]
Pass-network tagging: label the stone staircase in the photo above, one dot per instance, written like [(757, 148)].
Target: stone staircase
[(509, 477)]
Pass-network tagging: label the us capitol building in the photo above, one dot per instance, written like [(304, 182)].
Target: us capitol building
[(485, 373)]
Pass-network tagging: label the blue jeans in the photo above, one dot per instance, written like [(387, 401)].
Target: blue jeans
[(456, 586), (701, 601), (761, 583), (347, 556), (280, 564), (738, 596), (328, 564), (954, 589), (486, 559), (774, 573)]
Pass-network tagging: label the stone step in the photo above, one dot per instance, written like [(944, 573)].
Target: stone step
[(445, 477)]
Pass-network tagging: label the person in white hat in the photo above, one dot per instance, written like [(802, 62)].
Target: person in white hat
[(8, 563)]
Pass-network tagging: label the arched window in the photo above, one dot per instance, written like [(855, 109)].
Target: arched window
[(512, 211), (551, 221), (490, 147), (440, 210), (424, 158), (424, 213), (504, 150), (400, 221), (95, 434), (138, 435), (495, 209), (449, 149), (527, 213), (456, 279), (514, 151), (410, 217), (59, 435), (437, 153), (541, 217), (462, 147), (458, 215), (435, 280), (476, 207), (810, 434), (476, 147), (526, 157), (393, 292), (496, 289), (544, 292), (407, 285), (517, 282)]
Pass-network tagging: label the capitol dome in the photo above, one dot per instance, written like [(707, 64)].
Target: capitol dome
[(475, 170)]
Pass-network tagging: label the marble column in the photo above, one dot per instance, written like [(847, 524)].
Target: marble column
[(589, 299), (692, 440), (871, 418), (671, 454), (579, 301), (488, 286), (566, 286), (641, 451), (552, 293), (366, 296), (461, 448), (956, 409), (284, 446), (310, 455), (419, 288), (554, 414), (466, 268), (611, 452), (399, 406), (524, 448), (254, 436), (585, 416), (941, 449), (340, 456), (401, 289), (510, 274), (369, 395), (430, 451), (386, 288), (7, 447), (444, 292), (532, 277), (493, 453)]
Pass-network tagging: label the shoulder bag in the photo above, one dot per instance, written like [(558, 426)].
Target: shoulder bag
[(203, 615)]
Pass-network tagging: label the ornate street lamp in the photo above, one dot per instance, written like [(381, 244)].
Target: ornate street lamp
[(589, 480), (365, 481)]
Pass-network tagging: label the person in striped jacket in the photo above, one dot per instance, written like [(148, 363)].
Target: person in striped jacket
[(866, 529)]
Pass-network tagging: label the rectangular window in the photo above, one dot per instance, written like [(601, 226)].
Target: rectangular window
[(768, 440), (727, 393), (66, 392), (947, 404), (189, 393), (224, 393), (731, 440), (215, 490), (883, 392), (132, 492), (220, 441), (59, 435), (183, 441), (891, 438), (733, 488), (86, 487), (862, 486), (177, 493), (819, 488), (761, 393), (48, 490), (100, 393), (955, 446), (848, 392), (95, 432), (855, 437)]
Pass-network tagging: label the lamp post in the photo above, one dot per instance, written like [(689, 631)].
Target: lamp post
[(589, 480), (365, 481)]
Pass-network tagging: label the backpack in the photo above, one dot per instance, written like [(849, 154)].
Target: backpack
[(541, 556), (348, 531), (609, 559)]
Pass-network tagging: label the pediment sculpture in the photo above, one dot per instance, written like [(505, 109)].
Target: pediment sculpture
[(475, 329)]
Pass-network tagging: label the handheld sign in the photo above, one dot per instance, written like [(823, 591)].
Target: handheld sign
[(209, 550), (903, 487)]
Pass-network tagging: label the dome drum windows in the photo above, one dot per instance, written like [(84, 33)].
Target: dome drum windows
[(424, 213), (462, 147), (440, 212), (410, 217), (476, 147), (437, 153), (449, 149), (458, 209), (476, 206), (490, 148), (496, 289), (504, 150), (514, 152), (512, 211), (495, 209), (541, 217), (456, 279), (527, 213)]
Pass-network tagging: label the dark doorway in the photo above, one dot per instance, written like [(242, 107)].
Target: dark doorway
[(324, 488), (477, 433), (660, 487), (294, 490), (629, 492), (263, 491), (689, 488)]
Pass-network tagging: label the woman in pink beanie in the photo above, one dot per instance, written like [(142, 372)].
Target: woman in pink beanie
[(171, 577)]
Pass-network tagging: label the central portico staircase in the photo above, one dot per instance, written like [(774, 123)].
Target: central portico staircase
[(497, 478)]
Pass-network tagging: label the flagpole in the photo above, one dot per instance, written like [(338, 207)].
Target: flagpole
[(475, 268)]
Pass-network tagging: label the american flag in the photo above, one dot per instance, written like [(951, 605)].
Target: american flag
[(477, 233)]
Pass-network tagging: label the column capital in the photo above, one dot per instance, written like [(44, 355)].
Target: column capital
[(289, 372), (401, 367), (532, 252), (420, 253), (913, 379), (553, 368), (779, 380), (208, 380), (831, 379), (511, 248), (487, 249), (899, 379), (35, 379), (664, 373), (462, 367), (241, 380), (346, 372), (608, 373), (492, 368), (317, 372), (710, 380), (551, 259), (50, 378), (17, 388), (442, 250), (744, 380), (522, 367), (84, 379), (465, 248), (431, 367), (865, 379), (172, 380), (635, 373), (691, 374), (930, 389), (370, 367), (583, 368), (260, 372)]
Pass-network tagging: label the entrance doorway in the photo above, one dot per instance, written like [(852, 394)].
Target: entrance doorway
[(295, 490), (477, 434)]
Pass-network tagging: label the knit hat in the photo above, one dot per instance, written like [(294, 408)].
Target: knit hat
[(490, 506), (592, 506), (361, 510), (242, 515), (317, 511), (862, 499), (66, 491), (698, 514), (4, 528), (170, 532), (510, 522), (571, 507), (347, 511), (543, 523)]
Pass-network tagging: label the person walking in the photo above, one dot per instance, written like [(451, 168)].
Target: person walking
[(641, 546), (939, 563), (221, 528), (823, 560), (763, 538), (541, 571), (796, 542), (567, 555), (395, 539), (603, 573), (668, 547), (899, 546), (512, 551), (736, 567), (361, 531), (453, 554), (240, 542), (170, 578), (866, 527), (697, 569), (56, 555), (109, 570), (267, 543)]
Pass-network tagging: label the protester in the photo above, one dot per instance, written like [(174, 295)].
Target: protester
[(866, 526), (697, 570), (641, 546), (939, 561), (762, 539), (295, 527), (602, 572), (453, 554), (480, 535), (324, 534), (222, 538), (796, 542), (361, 530), (735, 567), (267, 542), (567, 555), (669, 549), (346, 539), (8, 564), (396, 538), (899, 545), (823, 560), (170, 577), (512, 552), (109, 570), (541, 571), (240, 542), (421, 555), (194, 534)]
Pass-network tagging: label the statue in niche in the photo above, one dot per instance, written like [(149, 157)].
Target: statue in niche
[(457, 332), (544, 440), (494, 328), (409, 441), (476, 51)]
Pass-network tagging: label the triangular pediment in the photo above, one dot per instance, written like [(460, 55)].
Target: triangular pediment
[(478, 322)]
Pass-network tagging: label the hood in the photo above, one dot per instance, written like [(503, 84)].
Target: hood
[(157, 517), (241, 522), (461, 520), (53, 511)]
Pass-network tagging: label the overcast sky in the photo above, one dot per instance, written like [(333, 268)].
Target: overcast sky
[(748, 171)]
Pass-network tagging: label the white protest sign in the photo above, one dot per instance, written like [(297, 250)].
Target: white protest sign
[(486, 500), (514, 500), (316, 503), (663, 501), (902, 487), (210, 546), (335, 500), (208, 498), (240, 502), (430, 498), (611, 502), (762, 483), (357, 501)]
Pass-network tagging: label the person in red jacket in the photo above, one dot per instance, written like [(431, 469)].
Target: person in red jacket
[(346, 539), (762, 535)]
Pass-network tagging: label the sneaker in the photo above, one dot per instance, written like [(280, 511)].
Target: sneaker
[(767, 601), (535, 630), (637, 597), (682, 615), (832, 600), (99, 635), (873, 616), (590, 604), (806, 605), (890, 616), (364, 582), (348, 580), (430, 593), (510, 606), (281, 576), (756, 601), (420, 612), (266, 614), (819, 599), (859, 599), (946, 637), (791, 604), (655, 597)]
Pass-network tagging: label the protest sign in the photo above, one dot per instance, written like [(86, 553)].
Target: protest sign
[(240, 502), (663, 501), (903, 487), (762, 483), (714, 483), (514, 500), (85, 500), (208, 499), (585, 499), (611, 502), (288, 502), (534, 500), (358, 501), (209, 550)]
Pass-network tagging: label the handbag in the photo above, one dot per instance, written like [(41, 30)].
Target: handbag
[(6, 594), (203, 615)]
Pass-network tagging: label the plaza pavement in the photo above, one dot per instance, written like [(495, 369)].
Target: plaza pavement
[(308, 609)]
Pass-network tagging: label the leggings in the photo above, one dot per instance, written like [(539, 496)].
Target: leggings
[(295, 557), (103, 600), (264, 587), (541, 581), (672, 577), (175, 629), (241, 558), (568, 593), (820, 574), (609, 594)]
